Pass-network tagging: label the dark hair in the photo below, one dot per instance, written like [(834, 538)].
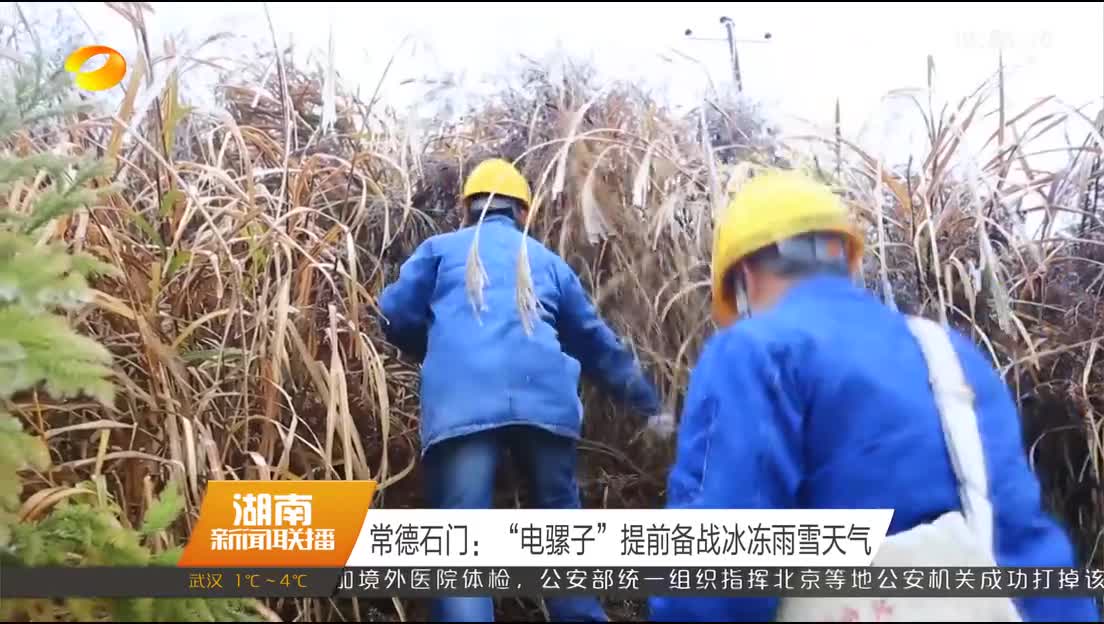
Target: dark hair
[(500, 204), (802, 256), (797, 257)]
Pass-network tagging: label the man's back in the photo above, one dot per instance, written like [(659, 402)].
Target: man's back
[(844, 418), (484, 370), (888, 449)]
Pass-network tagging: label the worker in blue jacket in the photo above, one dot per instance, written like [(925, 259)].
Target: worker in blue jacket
[(819, 398), (489, 385)]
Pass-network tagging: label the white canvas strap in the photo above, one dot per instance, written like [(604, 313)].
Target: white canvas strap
[(955, 400)]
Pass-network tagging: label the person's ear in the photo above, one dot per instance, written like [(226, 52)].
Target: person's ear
[(749, 278)]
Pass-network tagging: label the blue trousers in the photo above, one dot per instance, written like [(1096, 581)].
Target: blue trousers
[(460, 474)]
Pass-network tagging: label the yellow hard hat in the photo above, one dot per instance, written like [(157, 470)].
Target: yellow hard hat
[(770, 208), (499, 177)]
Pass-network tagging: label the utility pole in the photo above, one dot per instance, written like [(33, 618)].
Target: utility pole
[(735, 58), (730, 38)]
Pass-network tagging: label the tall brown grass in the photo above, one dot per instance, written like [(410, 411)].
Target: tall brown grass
[(252, 246)]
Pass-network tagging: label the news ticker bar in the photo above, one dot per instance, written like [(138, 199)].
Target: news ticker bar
[(624, 582)]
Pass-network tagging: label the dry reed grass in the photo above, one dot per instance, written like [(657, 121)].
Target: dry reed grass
[(252, 246)]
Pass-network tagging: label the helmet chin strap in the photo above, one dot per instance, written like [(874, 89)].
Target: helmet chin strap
[(743, 304)]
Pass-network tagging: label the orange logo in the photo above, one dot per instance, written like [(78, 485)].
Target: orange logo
[(100, 79), (278, 523)]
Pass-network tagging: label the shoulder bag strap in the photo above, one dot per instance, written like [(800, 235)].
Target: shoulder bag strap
[(955, 400)]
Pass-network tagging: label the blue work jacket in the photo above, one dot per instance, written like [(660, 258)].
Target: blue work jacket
[(823, 402), (482, 372)]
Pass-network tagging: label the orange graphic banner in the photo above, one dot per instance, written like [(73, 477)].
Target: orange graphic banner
[(278, 523)]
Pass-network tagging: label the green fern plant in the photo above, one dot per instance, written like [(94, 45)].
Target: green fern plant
[(39, 350), (37, 345)]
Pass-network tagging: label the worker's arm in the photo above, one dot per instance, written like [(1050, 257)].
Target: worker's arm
[(601, 354), (1025, 533), (739, 447), (404, 304)]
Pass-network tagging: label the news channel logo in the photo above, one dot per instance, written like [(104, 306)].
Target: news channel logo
[(1005, 40), (100, 79)]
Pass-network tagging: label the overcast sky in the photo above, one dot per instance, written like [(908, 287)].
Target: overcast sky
[(817, 51)]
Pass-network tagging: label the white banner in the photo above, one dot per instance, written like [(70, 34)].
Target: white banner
[(620, 537)]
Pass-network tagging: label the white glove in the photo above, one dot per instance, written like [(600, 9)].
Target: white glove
[(661, 425)]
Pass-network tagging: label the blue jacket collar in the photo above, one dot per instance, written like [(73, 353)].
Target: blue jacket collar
[(500, 218)]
